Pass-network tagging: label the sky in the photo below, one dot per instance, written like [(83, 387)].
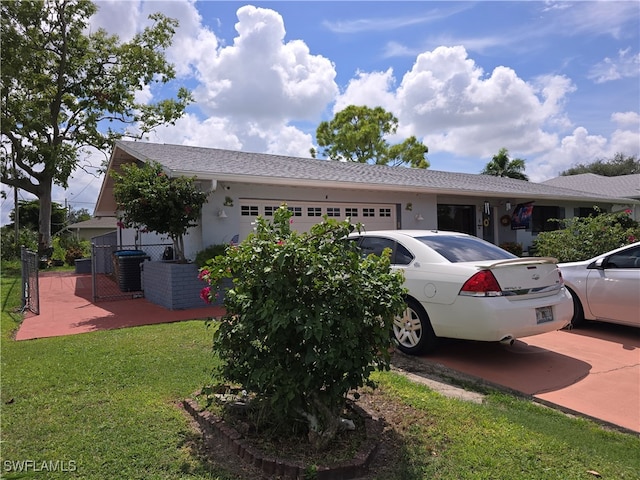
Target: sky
[(555, 83)]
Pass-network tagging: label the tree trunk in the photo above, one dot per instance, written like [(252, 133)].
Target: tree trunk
[(44, 223)]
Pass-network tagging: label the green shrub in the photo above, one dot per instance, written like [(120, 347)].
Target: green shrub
[(513, 247), (210, 252), (581, 238), (308, 319), (26, 237)]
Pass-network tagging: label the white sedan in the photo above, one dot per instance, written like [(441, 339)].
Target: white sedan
[(460, 286), (607, 287)]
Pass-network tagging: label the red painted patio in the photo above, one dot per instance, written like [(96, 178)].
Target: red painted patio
[(66, 308)]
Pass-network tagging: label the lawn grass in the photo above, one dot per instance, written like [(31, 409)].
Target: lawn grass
[(107, 402)]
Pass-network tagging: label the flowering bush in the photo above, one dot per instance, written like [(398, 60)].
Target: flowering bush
[(308, 319), (581, 238), (147, 197)]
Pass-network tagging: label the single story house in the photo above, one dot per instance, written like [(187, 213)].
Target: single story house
[(627, 186), (243, 185), (93, 227)]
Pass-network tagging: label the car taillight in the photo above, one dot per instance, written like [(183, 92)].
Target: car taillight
[(482, 284)]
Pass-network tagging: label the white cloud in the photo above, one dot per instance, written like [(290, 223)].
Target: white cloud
[(449, 102), (582, 148), (626, 118), (624, 66)]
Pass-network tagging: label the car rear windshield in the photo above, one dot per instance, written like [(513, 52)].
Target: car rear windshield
[(465, 249)]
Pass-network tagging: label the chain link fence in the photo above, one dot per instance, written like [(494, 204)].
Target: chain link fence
[(116, 270), (30, 284)]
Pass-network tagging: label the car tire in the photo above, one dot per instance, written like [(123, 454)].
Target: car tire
[(578, 312), (413, 331)]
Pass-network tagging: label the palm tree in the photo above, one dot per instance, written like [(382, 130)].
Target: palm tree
[(502, 166)]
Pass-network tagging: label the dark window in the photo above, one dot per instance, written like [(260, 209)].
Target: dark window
[(376, 245), (385, 212), (297, 211), (333, 211), (368, 212), (456, 218), (351, 211), (269, 211), (314, 211), (249, 210), (541, 218), (464, 249), (629, 258)]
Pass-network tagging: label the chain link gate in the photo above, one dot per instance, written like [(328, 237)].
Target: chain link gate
[(30, 284)]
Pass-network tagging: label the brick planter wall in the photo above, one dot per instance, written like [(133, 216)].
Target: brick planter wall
[(174, 286)]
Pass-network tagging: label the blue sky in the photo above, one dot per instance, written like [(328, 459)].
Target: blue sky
[(556, 83)]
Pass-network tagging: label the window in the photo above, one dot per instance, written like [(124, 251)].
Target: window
[(269, 211), (400, 255), (375, 245), (629, 258), (351, 211), (333, 211), (297, 211), (541, 216), (249, 210), (464, 249), (456, 218), (368, 212), (385, 212), (314, 211)]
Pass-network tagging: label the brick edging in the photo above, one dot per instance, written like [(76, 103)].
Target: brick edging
[(275, 466)]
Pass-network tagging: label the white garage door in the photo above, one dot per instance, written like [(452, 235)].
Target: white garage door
[(306, 214)]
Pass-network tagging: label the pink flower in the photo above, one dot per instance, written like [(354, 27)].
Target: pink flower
[(120, 224), (203, 273), (632, 239), (205, 294)]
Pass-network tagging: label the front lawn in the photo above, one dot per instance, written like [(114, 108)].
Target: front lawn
[(105, 405)]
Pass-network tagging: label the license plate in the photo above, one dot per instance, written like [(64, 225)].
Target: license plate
[(544, 315)]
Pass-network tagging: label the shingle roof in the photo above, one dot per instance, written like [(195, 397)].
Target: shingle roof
[(622, 186), (264, 168)]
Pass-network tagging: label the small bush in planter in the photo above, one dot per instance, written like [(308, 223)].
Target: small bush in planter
[(513, 247), (308, 319), (210, 252)]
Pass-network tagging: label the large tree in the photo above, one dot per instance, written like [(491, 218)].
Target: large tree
[(65, 87), (357, 134), (502, 166), (616, 166)]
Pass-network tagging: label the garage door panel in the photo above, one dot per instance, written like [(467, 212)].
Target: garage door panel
[(305, 215)]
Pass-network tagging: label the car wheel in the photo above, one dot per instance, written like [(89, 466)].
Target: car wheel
[(413, 330), (578, 311)]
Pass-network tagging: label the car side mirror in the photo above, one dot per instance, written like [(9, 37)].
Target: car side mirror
[(597, 265)]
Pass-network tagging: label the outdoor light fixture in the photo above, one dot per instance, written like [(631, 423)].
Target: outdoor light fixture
[(487, 208), (222, 213), (419, 217), (508, 206)]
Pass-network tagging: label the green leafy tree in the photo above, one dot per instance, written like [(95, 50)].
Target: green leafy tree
[(29, 215), (581, 238), (357, 134), (308, 319), (61, 87), (502, 166), (147, 197), (618, 165)]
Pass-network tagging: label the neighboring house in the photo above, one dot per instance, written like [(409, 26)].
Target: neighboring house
[(94, 227), (244, 185), (627, 186)]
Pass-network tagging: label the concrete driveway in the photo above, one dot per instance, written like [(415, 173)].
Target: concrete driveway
[(593, 371)]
